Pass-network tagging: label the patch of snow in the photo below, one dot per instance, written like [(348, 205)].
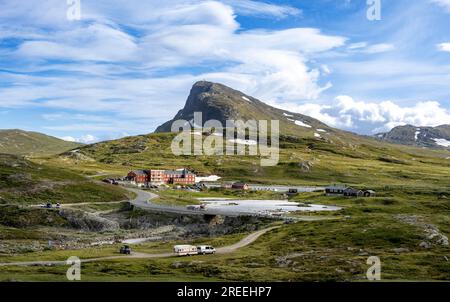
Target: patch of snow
[(301, 124), (321, 130), (243, 142), (317, 135), (442, 142), (289, 115), (416, 135), (246, 99), (207, 178)]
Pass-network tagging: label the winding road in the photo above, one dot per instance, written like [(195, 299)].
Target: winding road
[(143, 201), (222, 250)]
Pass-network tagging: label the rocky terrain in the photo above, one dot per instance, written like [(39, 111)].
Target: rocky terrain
[(434, 137)]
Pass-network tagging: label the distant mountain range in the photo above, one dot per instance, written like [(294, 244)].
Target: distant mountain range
[(21, 142), (418, 136)]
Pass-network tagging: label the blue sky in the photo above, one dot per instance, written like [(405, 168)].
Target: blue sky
[(127, 66)]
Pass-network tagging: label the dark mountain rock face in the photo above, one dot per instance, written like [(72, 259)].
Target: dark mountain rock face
[(418, 136), (222, 103)]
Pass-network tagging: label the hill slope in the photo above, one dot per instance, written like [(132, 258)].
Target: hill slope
[(418, 136), (25, 182), (21, 142)]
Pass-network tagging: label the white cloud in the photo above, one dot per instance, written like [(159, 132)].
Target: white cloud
[(96, 42), (69, 138), (444, 47), (371, 117), (258, 8), (100, 54), (364, 47), (85, 139), (379, 48), (443, 3)]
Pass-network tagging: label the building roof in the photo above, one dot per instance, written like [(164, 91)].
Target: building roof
[(178, 172), (139, 172)]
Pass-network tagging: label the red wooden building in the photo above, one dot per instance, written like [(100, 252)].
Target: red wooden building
[(157, 177)]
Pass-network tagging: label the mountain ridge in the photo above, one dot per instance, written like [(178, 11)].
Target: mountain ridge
[(219, 102), (430, 137), (30, 143)]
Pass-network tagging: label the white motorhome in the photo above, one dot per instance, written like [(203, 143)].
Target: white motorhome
[(206, 249), (185, 250)]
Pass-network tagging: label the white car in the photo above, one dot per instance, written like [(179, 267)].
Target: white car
[(206, 249)]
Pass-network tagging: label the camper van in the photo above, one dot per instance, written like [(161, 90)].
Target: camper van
[(185, 250)]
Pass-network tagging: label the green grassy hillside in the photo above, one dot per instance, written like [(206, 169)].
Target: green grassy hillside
[(302, 161), (24, 182), (32, 143)]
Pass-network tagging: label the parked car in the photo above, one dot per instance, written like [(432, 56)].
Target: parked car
[(206, 249), (126, 250), (185, 250), (201, 207), (49, 205), (58, 205)]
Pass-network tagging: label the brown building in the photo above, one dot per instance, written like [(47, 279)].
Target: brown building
[(139, 177), (182, 177), (158, 177)]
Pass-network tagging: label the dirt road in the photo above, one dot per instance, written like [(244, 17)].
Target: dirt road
[(223, 250)]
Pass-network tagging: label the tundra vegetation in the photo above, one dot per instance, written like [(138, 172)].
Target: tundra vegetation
[(406, 225)]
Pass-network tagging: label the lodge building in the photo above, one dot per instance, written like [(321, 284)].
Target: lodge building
[(159, 177)]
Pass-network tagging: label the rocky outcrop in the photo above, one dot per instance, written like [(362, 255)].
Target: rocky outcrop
[(88, 221), (431, 233), (418, 136)]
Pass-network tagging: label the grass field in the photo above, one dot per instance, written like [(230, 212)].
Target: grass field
[(404, 225), (330, 250), (25, 182), (326, 251)]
